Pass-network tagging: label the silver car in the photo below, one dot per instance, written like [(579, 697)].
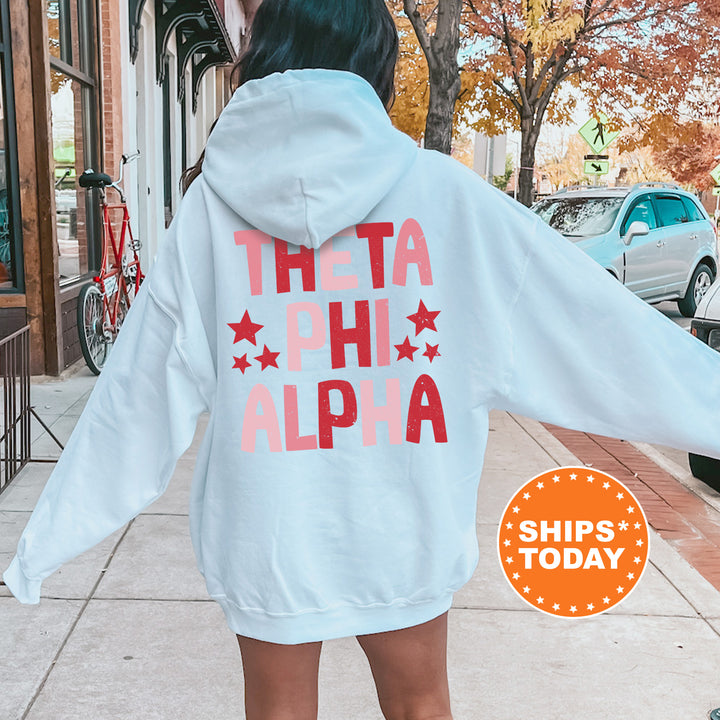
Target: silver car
[(706, 327), (655, 238)]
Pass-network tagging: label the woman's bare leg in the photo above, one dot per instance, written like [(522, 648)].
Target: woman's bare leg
[(410, 671), (281, 681)]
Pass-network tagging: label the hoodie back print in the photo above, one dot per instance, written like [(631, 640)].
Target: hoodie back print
[(348, 307)]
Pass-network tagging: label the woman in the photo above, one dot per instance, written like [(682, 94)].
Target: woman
[(348, 307)]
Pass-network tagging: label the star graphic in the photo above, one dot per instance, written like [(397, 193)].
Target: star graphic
[(423, 318), (267, 359), (540, 485), (636, 560), (636, 526), (639, 543), (556, 478), (431, 351), (573, 608), (606, 599), (242, 363), (590, 606), (540, 600), (516, 576), (246, 329), (526, 589), (631, 509), (508, 526), (508, 559), (516, 509), (406, 350), (590, 478), (506, 543), (622, 525), (620, 589), (573, 477), (630, 576), (556, 607), (619, 496), (606, 485), (526, 496)]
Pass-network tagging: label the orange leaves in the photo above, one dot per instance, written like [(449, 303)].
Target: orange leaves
[(691, 152), (412, 88)]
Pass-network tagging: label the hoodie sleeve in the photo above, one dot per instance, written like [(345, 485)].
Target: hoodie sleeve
[(587, 354), (140, 417)]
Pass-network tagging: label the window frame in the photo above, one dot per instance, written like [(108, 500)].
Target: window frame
[(633, 204), (690, 201), (671, 196), (88, 52), (11, 153)]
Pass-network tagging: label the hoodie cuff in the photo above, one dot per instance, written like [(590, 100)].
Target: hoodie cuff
[(25, 589)]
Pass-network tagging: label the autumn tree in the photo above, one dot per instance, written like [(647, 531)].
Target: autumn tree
[(691, 153), (412, 94), (641, 57), (439, 37), (645, 59)]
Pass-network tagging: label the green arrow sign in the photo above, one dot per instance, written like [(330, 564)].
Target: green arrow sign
[(596, 167), (596, 134), (715, 175)]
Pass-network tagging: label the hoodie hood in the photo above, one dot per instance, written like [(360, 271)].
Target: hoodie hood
[(304, 154)]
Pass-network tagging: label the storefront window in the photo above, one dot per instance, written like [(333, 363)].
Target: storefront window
[(74, 134), (69, 130), (10, 239)]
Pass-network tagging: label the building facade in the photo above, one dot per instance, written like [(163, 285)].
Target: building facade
[(83, 82)]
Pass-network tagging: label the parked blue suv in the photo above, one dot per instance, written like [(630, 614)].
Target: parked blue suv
[(655, 238)]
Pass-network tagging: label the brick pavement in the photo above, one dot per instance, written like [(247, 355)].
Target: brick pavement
[(688, 523)]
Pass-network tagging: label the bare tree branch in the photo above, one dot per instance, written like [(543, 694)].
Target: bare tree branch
[(411, 10), (512, 98)]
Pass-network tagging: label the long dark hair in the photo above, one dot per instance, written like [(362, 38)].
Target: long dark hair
[(354, 35)]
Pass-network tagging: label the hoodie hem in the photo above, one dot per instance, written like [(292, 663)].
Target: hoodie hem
[(25, 589), (337, 622)]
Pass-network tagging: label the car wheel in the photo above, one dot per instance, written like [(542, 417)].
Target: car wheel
[(706, 469), (701, 280)]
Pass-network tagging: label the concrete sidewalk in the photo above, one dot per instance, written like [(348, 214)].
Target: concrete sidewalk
[(127, 629)]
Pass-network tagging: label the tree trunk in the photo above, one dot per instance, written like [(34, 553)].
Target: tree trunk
[(441, 51), (526, 171), (444, 89)]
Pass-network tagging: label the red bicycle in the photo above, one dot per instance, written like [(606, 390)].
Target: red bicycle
[(104, 302)]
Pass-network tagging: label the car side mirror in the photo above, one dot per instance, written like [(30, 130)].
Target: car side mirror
[(637, 228)]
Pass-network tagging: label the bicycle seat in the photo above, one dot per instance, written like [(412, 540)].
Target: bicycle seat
[(90, 179)]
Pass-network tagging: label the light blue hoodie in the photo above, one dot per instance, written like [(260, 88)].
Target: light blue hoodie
[(349, 368)]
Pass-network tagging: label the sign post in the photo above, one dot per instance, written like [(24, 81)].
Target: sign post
[(715, 175)]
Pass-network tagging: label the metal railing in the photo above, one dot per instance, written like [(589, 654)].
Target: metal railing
[(15, 443), (15, 369)]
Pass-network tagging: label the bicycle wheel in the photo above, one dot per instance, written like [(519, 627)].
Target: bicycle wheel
[(94, 346)]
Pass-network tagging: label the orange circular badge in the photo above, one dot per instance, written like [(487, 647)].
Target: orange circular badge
[(573, 542)]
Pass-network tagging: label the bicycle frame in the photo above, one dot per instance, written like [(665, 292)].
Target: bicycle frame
[(112, 271)]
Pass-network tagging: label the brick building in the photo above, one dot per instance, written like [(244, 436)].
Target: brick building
[(81, 83)]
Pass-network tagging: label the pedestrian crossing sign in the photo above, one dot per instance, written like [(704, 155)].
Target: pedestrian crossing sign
[(596, 134), (715, 174), (596, 167)]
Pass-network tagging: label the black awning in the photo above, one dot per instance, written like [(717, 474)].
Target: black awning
[(201, 37)]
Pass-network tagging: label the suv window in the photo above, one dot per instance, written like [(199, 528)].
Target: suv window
[(671, 210), (579, 216), (642, 210), (692, 210)]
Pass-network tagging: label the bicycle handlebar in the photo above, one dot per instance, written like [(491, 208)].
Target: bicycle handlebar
[(124, 160)]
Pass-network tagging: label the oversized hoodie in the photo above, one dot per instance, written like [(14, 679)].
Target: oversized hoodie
[(347, 308)]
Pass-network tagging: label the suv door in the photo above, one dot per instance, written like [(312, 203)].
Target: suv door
[(680, 238), (643, 257)]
